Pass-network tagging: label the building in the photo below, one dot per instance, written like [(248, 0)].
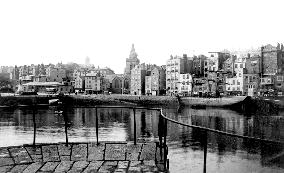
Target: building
[(93, 84), (118, 83), (199, 66), (235, 84), (272, 59), (272, 70), (132, 61), (137, 84), (253, 64), (216, 60), (185, 85), (55, 74), (251, 84), (174, 67), (155, 83), (79, 85)]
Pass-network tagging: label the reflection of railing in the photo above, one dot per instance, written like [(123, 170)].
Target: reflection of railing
[(162, 130), (163, 121)]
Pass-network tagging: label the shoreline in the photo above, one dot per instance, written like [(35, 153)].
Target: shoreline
[(250, 104)]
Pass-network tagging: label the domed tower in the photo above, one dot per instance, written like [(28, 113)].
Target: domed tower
[(132, 61)]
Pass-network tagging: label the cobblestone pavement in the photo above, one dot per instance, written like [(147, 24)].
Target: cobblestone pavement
[(114, 157)]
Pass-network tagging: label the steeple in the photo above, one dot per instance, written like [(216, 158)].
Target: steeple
[(133, 54)]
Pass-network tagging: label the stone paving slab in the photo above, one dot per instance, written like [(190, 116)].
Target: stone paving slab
[(79, 152), (50, 153), (33, 168), (115, 152), (112, 157), (20, 155), (96, 152)]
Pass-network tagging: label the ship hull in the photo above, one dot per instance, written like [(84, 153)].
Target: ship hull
[(212, 102)]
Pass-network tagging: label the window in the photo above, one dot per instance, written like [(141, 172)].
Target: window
[(240, 75), (236, 65), (233, 82), (238, 83), (241, 65)]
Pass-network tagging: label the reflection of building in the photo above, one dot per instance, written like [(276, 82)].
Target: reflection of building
[(132, 61)]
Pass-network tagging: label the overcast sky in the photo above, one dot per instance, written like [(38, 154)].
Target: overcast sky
[(52, 31)]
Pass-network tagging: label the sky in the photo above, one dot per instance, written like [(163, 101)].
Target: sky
[(52, 31)]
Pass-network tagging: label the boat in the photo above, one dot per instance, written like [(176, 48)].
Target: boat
[(53, 101), (212, 102)]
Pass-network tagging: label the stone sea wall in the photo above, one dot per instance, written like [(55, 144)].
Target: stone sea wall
[(92, 100)]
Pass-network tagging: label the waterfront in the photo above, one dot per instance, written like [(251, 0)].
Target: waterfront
[(225, 154)]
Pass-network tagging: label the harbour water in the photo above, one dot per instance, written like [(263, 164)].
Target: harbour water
[(225, 154)]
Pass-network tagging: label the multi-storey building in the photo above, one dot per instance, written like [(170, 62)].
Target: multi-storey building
[(272, 69), (235, 84), (199, 66), (216, 60), (79, 84), (174, 67), (155, 83), (137, 84), (250, 82), (93, 83), (55, 74), (253, 64), (132, 61), (185, 84)]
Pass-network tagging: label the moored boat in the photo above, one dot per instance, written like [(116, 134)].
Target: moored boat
[(212, 102)]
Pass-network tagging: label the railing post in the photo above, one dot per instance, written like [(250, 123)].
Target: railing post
[(34, 125), (205, 151), (165, 143), (134, 119), (97, 126), (65, 123)]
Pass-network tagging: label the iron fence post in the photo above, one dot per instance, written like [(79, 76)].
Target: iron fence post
[(65, 123), (97, 126), (134, 119), (205, 151), (34, 125), (165, 143)]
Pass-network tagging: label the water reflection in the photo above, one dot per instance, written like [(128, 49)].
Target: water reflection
[(185, 144)]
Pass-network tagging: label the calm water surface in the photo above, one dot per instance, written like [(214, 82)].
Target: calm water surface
[(225, 154)]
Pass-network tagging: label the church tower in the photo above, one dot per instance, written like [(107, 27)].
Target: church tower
[(132, 61)]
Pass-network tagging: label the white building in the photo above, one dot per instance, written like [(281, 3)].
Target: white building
[(185, 84)]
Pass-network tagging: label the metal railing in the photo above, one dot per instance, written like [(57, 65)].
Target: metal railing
[(162, 130)]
